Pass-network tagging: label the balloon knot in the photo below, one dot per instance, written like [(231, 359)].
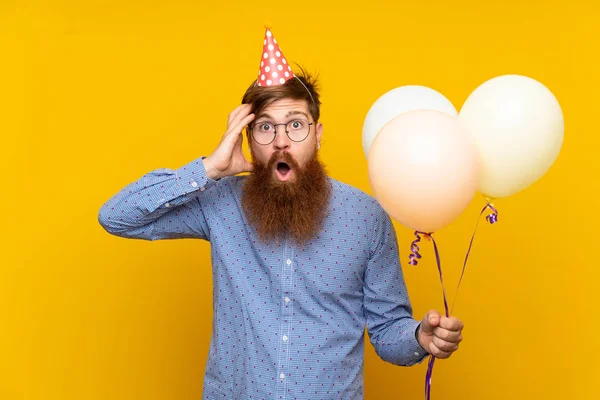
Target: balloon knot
[(493, 217)]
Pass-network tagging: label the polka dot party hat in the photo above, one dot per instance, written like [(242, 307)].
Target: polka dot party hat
[(274, 68)]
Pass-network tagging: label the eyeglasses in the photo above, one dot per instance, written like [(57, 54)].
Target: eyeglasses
[(264, 133)]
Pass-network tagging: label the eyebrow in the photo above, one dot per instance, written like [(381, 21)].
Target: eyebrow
[(289, 114), (296, 112)]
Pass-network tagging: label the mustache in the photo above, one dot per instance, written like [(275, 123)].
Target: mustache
[(282, 156)]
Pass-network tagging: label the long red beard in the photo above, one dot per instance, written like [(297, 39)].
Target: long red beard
[(294, 209)]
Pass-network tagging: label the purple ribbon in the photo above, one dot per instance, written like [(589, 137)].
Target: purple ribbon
[(492, 218), (414, 248), (432, 357)]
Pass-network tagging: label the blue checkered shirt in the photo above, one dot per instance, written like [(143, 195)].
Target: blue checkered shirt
[(289, 322)]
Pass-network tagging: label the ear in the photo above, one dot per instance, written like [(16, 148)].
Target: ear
[(319, 131)]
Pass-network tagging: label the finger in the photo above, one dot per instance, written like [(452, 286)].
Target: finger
[(239, 109), (242, 109), (447, 335), (451, 323), (240, 113), (238, 126), (444, 346), (233, 113), (430, 321), (435, 351)]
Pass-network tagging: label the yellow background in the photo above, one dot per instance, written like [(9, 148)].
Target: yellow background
[(95, 93)]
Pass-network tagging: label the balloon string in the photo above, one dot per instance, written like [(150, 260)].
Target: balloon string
[(439, 266), (414, 248), (492, 219), (432, 357), (428, 377)]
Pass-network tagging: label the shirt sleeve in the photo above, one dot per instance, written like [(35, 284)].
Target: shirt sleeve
[(387, 307), (162, 204)]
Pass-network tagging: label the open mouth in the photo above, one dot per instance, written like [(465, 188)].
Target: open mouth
[(283, 171)]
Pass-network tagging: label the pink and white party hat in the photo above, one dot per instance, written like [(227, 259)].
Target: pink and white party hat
[(274, 68)]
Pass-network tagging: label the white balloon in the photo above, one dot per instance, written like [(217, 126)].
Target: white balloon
[(518, 127), (399, 101)]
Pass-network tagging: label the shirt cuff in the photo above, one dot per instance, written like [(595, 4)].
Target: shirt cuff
[(416, 354), (192, 177)]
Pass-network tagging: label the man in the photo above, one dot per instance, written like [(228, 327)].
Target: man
[(302, 263)]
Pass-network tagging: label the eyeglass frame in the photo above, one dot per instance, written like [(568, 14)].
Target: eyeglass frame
[(287, 132)]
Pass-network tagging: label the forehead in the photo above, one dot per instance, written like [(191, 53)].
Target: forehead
[(284, 107)]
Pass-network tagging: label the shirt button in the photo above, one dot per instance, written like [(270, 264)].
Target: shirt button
[(287, 299), (289, 262), (417, 354), (202, 189), (167, 205), (194, 184), (285, 338), (282, 375)]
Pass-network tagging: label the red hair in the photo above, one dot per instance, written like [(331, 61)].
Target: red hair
[(303, 87)]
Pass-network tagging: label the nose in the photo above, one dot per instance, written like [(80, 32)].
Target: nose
[(282, 141)]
